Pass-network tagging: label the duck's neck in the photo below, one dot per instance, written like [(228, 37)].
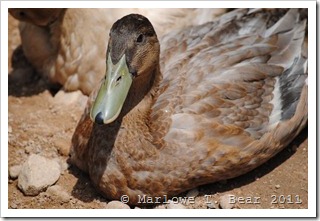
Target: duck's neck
[(140, 96), (135, 114)]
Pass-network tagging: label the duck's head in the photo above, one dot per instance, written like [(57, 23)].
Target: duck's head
[(36, 16), (132, 55)]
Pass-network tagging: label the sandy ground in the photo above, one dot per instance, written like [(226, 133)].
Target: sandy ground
[(42, 120)]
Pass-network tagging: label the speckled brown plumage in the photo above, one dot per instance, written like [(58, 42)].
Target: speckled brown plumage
[(214, 110)]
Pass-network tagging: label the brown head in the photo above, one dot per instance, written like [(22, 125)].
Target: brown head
[(36, 16), (132, 63)]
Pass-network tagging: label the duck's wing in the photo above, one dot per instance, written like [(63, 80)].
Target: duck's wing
[(237, 82)]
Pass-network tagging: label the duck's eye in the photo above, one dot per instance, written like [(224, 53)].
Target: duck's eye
[(140, 38), (21, 14), (134, 74)]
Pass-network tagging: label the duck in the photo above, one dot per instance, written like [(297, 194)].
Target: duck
[(207, 103), (66, 47)]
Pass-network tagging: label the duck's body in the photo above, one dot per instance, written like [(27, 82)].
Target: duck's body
[(227, 96), (68, 46)]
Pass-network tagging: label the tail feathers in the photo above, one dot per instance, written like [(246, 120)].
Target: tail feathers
[(289, 46), (286, 23), (289, 55), (291, 83)]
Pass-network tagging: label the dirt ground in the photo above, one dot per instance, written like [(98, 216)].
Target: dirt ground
[(42, 120)]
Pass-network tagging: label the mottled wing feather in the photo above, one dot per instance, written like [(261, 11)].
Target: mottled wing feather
[(219, 79)]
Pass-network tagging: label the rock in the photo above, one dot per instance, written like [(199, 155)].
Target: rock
[(162, 206), (193, 193), (13, 205), (225, 202), (62, 145), (9, 129), (59, 192), (277, 186), (28, 149), (63, 165), (117, 205), (36, 174), (14, 171), (70, 98), (213, 205), (173, 205)]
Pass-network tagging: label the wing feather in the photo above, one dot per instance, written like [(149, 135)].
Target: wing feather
[(220, 78)]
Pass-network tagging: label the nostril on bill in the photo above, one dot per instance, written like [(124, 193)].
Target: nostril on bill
[(99, 118)]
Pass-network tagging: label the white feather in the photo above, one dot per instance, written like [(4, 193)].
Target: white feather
[(275, 116)]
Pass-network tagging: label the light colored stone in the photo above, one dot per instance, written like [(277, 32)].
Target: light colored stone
[(70, 98), (59, 192), (9, 129), (277, 186), (13, 205), (28, 149), (63, 164), (224, 202), (62, 145), (173, 205), (162, 206), (14, 171), (213, 205), (36, 174), (117, 205)]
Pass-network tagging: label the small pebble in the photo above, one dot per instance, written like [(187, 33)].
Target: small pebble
[(28, 149), (172, 205), (59, 192), (62, 145), (277, 186), (14, 171), (63, 165), (225, 202), (117, 205), (70, 98), (9, 129), (212, 205), (13, 205), (162, 206)]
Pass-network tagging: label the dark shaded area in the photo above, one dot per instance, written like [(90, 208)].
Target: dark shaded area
[(84, 189), (23, 80)]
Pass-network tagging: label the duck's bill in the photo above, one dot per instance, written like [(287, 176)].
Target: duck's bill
[(112, 93)]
